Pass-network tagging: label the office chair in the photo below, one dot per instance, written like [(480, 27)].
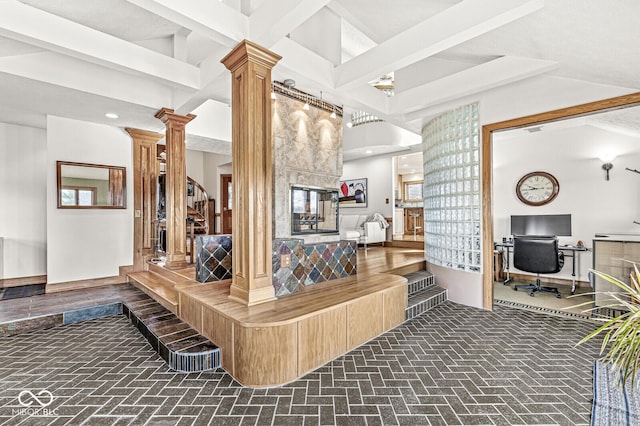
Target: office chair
[(538, 254)]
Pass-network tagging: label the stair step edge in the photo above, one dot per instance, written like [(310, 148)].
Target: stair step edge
[(166, 296), (426, 305), (433, 293)]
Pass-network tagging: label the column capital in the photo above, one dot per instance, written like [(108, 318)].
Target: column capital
[(247, 51), (167, 116), (144, 135)]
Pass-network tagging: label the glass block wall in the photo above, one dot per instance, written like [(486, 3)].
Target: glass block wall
[(451, 152)]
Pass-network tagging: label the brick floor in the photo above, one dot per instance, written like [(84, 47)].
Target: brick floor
[(452, 365)]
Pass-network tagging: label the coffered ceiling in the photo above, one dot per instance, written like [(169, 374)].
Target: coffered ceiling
[(80, 59)]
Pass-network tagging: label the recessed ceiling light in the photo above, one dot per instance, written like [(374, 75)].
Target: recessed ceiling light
[(111, 115), (368, 151), (349, 124)]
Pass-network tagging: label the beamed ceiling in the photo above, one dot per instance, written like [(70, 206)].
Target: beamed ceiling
[(80, 59)]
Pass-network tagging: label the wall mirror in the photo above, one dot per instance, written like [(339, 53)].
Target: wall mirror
[(413, 191), (91, 186)]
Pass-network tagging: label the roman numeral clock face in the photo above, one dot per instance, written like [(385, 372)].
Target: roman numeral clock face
[(537, 188)]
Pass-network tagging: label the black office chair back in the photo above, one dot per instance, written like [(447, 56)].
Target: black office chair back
[(537, 253)]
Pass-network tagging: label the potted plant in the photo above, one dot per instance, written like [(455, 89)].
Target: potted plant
[(621, 334)]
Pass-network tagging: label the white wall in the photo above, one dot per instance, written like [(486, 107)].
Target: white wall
[(379, 174), (195, 165), (87, 243), (571, 155), (214, 166), (23, 183)]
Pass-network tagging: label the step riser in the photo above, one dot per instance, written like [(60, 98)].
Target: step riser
[(180, 361), (425, 305), (173, 307), (417, 286), (423, 293), (166, 273)]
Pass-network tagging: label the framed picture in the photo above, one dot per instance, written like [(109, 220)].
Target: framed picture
[(353, 193)]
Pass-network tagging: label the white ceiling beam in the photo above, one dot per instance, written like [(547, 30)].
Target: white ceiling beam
[(218, 90), (354, 20), (36, 27), (309, 69), (70, 73), (210, 18), (457, 24), (492, 74), (275, 19), (303, 62), (216, 83)]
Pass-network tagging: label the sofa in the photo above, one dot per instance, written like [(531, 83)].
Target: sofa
[(362, 228)]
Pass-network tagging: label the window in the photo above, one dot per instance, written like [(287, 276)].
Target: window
[(78, 196), (451, 149), (413, 191)]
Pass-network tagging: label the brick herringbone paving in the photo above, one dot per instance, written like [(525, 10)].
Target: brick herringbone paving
[(452, 365)]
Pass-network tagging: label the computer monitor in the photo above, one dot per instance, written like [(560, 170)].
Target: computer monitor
[(541, 224)]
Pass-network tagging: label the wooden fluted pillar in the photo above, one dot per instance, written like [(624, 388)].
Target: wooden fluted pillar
[(176, 186), (250, 67), (145, 181)]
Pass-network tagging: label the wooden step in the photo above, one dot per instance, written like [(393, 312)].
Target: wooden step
[(156, 286), (418, 245), (175, 276), (419, 265)]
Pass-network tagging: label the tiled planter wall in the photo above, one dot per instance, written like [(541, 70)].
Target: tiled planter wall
[(213, 258), (310, 264)]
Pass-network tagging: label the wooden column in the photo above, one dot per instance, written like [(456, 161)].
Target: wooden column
[(176, 186), (250, 67), (145, 179)]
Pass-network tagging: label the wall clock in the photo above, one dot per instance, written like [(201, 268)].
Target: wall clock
[(537, 188)]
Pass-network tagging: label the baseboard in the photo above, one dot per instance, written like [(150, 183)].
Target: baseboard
[(18, 282), (93, 282), (549, 279)]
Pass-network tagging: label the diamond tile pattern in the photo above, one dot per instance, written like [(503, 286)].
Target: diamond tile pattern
[(311, 264), (452, 365), (213, 258)]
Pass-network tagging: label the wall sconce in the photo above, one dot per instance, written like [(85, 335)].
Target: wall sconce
[(606, 167), (606, 159)]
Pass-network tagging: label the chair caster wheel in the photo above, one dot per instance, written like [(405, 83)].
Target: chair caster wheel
[(531, 293), (558, 295), (515, 289)]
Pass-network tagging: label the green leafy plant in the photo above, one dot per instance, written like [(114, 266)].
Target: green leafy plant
[(621, 341)]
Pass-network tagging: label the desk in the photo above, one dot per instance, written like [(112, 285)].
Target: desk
[(568, 250)]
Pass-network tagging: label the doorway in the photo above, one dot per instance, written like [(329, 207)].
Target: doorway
[(226, 207), (408, 216), (487, 169)]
